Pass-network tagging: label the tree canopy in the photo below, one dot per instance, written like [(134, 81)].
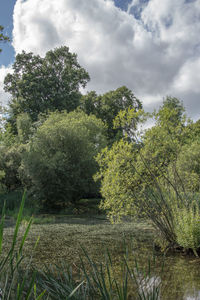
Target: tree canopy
[(143, 176), (107, 107), (53, 134), (39, 85), (59, 160)]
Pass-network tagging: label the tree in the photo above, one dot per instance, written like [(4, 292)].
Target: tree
[(10, 160), (25, 128), (117, 175), (59, 160), (135, 175), (163, 142), (188, 167), (107, 106), (3, 38), (39, 85)]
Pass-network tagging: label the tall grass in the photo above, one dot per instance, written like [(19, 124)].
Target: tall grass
[(14, 286), (100, 280)]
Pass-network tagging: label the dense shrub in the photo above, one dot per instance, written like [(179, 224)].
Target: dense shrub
[(59, 159), (188, 166), (10, 160), (157, 176), (187, 227)]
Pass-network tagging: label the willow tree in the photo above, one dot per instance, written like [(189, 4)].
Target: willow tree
[(143, 176), (59, 160)]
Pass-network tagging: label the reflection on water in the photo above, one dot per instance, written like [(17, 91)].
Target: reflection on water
[(182, 278), (178, 280), (149, 286), (195, 296)]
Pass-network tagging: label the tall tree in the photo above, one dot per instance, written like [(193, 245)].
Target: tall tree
[(107, 107), (39, 85)]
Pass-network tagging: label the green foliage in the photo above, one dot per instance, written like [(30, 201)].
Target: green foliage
[(12, 287), (13, 200), (129, 169), (187, 227), (117, 172), (24, 127), (101, 281), (136, 177), (3, 111), (10, 160), (3, 38), (39, 85), (193, 131), (128, 121), (59, 159), (60, 284), (163, 142), (188, 167), (171, 113), (107, 106), (7, 138)]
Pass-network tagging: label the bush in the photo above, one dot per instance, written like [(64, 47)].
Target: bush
[(155, 175), (59, 159), (10, 159), (188, 166), (187, 227)]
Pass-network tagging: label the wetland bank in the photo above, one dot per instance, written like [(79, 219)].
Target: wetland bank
[(61, 239), (81, 157)]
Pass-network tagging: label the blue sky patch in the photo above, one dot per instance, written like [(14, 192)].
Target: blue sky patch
[(123, 4)]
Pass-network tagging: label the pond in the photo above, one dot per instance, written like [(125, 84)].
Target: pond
[(179, 275), (60, 241)]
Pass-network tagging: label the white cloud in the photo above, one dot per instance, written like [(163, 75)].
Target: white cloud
[(4, 97), (155, 55), (188, 79)]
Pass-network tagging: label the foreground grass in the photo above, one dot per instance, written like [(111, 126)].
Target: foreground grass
[(61, 237)]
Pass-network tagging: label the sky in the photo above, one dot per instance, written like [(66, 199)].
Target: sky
[(150, 46)]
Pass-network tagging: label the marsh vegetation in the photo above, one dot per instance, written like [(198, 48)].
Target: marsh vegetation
[(88, 165)]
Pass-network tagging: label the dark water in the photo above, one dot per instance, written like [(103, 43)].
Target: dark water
[(178, 276), (181, 278)]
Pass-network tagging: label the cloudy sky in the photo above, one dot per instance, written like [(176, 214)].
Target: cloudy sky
[(151, 46)]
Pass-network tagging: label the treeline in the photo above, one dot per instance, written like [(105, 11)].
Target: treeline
[(63, 146), (51, 132)]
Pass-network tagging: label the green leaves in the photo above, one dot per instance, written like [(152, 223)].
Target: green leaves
[(3, 38), (12, 286), (39, 85), (107, 107), (187, 227), (152, 174), (59, 160)]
